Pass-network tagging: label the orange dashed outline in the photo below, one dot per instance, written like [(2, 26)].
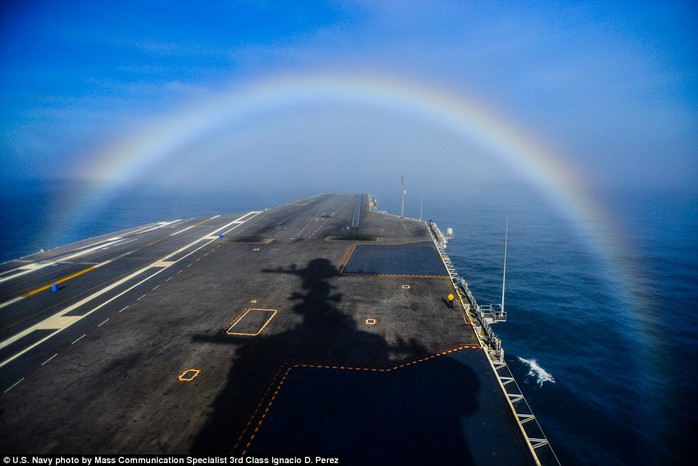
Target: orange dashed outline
[(286, 369), (392, 275)]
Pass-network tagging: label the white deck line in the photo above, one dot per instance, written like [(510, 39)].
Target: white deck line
[(13, 385), (60, 321), (182, 230), (49, 359), (19, 298), (36, 266)]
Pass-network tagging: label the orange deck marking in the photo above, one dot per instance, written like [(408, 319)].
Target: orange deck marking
[(189, 375), (231, 329)]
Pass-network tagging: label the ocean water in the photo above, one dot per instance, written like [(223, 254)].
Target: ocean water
[(603, 341)]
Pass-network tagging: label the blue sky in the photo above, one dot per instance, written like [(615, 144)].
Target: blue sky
[(612, 87)]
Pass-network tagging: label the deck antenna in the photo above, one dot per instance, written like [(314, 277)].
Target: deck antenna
[(402, 196), (504, 275), (421, 204)]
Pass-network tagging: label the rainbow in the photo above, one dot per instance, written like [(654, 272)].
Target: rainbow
[(131, 158), (155, 143)]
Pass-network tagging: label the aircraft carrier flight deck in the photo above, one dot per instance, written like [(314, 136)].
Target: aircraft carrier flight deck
[(319, 327)]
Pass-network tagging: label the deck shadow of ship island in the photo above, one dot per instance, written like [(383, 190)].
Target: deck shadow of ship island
[(409, 415)]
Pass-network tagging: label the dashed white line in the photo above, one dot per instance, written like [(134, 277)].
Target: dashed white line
[(140, 298), (188, 265), (120, 311), (79, 339), (156, 287), (13, 386), (49, 359), (197, 260), (179, 272), (103, 323), (169, 279)]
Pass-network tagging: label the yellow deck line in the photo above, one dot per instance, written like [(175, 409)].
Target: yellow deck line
[(202, 222), (62, 280)]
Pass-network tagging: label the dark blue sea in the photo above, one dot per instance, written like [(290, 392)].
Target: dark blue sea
[(603, 341)]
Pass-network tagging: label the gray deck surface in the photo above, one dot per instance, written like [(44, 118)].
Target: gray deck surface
[(336, 357)]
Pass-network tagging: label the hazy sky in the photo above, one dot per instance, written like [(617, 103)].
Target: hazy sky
[(610, 87)]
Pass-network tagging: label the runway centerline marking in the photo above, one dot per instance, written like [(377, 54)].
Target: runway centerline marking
[(49, 359), (13, 385)]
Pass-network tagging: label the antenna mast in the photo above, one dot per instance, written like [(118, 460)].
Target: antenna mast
[(504, 275), (402, 196), (421, 204)]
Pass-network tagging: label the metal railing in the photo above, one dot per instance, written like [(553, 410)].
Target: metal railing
[(493, 313), (481, 317)]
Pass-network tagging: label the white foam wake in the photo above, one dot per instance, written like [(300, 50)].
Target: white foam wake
[(540, 374)]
